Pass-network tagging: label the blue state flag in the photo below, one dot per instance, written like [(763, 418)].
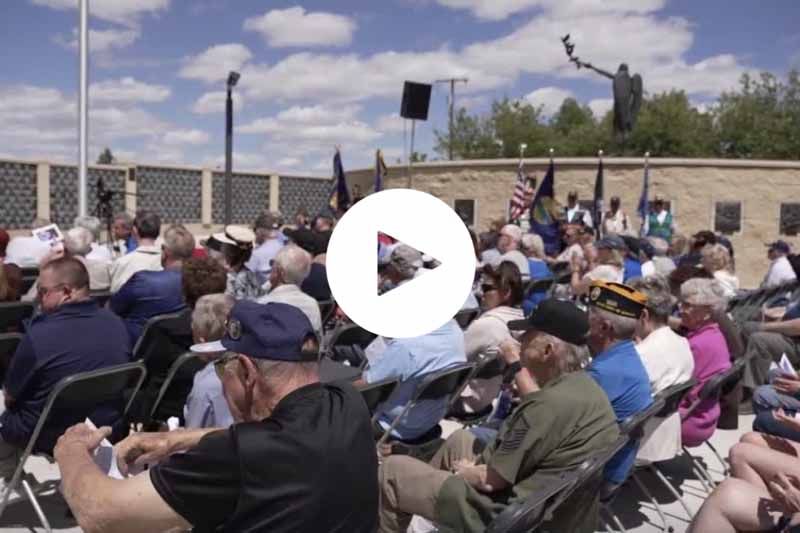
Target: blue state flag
[(544, 218)]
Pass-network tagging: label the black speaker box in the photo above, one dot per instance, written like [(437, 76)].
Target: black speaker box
[(416, 100)]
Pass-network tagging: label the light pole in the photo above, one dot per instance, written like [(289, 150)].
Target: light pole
[(83, 107), (233, 79), (452, 82)]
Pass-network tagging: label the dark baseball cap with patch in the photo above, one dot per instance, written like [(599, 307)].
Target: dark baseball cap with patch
[(273, 331), (617, 298), (559, 318), (305, 239)]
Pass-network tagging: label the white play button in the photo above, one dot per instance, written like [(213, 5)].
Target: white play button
[(418, 306)]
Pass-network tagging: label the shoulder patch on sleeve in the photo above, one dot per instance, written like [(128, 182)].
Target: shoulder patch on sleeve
[(515, 435)]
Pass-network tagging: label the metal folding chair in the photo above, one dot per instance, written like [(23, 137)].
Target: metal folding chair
[(487, 367), (9, 343), (377, 393), (79, 395), (633, 428), (144, 339), (465, 317), (441, 385), (326, 310), (14, 314), (712, 390), (173, 370)]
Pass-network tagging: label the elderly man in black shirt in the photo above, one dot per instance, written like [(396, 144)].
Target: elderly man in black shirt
[(299, 458)]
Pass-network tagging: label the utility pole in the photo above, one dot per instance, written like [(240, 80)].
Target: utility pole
[(83, 107), (452, 82)]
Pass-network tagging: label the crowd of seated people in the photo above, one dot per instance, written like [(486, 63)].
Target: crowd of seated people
[(250, 310)]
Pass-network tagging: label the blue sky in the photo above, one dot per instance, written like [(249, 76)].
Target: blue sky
[(320, 74)]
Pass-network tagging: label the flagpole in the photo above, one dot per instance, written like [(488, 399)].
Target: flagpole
[(599, 206), (551, 155), (645, 215)]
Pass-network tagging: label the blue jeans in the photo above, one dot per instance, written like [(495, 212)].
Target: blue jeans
[(766, 423), (766, 398)]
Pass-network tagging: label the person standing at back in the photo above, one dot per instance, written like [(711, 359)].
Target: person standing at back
[(659, 222), (268, 243), (146, 256)]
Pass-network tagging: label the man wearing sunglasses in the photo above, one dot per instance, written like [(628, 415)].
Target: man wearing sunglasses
[(72, 335), (300, 456)]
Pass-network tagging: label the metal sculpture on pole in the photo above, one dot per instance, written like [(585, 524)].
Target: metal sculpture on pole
[(628, 91)]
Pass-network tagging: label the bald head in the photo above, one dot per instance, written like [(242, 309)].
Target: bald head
[(69, 272)]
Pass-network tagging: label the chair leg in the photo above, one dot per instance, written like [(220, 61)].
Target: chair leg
[(610, 512), (650, 497), (701, 473), (36, 506), (671, 488), (725, 470)]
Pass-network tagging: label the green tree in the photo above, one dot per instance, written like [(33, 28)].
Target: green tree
[(668, 125), (575, 131), (516, 122), (761, 119), (472, 138), (105, 157), (418, 157)]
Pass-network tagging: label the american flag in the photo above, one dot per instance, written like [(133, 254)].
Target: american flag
[(523, 195)]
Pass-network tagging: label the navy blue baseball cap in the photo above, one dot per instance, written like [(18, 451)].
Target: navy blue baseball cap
[(273, 331)]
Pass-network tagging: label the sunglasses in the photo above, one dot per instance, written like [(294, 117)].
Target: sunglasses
[(487, 287), (222, 362)]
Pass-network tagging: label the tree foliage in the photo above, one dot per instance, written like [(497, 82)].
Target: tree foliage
[(761, 119), (105, 157)]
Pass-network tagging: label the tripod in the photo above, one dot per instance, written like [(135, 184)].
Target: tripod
[(104, 210)]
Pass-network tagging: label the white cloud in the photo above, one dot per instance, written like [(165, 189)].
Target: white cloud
[(102, 40), (549, 98), (215, 63), (296, 27), (289, 162), (653, 46), (42, 123), (214, 102), (126, 12), (391, 123), (190, 136), (501, 9), (127, 90), (601, 106)]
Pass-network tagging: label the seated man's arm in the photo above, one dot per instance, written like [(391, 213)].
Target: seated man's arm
[(483, 478), (392, 363), (101, 503), (790, 328)]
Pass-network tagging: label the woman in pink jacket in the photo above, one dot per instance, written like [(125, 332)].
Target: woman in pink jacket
[(699, 299)]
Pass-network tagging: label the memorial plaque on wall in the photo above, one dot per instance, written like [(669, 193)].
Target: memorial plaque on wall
[(728, 217), (790, 219), (465, 209)]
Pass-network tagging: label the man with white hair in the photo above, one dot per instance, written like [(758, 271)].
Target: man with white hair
[(614, 311), (508, 245), (290, 267), (78, 243), (93, 224)]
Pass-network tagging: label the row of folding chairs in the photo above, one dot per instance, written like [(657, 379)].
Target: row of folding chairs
[(664, 405)]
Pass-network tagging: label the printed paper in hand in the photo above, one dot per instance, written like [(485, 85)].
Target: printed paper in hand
[(786, 366)]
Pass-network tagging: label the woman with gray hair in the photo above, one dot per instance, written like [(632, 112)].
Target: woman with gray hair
[(206, 406), (94, 226), (668, 360), (700, 299)]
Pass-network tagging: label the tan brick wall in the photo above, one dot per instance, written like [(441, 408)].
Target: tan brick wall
[(693, 185)]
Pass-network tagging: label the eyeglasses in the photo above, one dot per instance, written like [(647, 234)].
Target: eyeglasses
[(221, 363), (44, 291), (487, 287)]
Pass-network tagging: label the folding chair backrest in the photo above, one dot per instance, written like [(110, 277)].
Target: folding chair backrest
[(488, 368), (444, 383), (352, 334), (326, 309), (146, 332), (633, 426), (29, 271), (173, 370), (465, 317), (538, 285), (12, 315), (673, 395), (9, 343), (377, 393), (79, 395), (528, 515), (713, 387)]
